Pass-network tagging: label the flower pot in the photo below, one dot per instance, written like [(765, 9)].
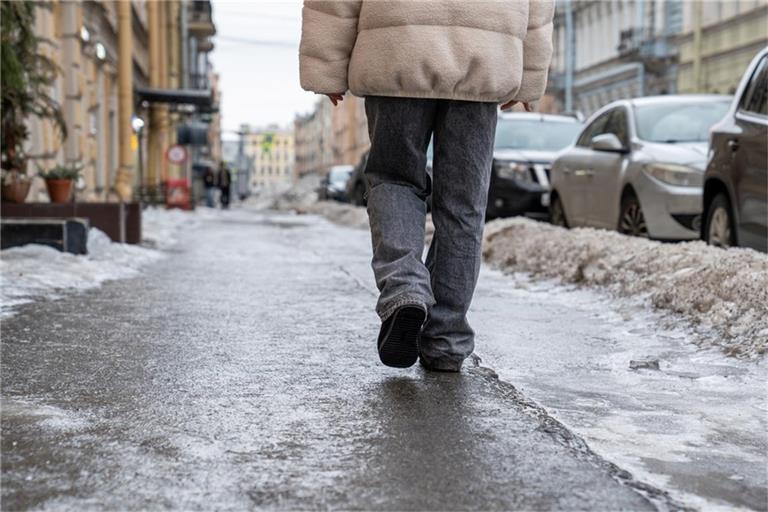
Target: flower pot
[(16, 191), (59, 190)]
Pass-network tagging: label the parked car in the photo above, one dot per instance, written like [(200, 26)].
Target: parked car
[(525, 146), (736, 179), (357, 186), (334, 184), (638, 167)]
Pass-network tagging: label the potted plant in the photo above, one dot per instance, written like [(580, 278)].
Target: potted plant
[(15, 186), (59, 180), (26, 79)]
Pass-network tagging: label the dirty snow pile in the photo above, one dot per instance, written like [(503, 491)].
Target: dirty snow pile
[(723, 293), (159, 225), (302, 198), (34, 271)]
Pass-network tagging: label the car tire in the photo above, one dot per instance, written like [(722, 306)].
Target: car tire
[(719, 230), (557, 212), (631, 218)]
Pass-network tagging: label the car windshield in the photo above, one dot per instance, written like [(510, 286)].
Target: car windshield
[(339, 174), (678, 122), (535, 135)]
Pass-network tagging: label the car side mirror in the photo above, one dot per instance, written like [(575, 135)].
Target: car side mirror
[(608, 142)]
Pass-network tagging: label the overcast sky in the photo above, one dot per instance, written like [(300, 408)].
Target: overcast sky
[(256, 54)]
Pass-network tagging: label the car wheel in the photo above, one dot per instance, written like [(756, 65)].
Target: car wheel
[(557, 213), (719, 229), (632, 220)]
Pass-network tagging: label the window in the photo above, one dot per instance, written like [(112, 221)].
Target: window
[(755, 100), (597, 127), (685, 121), (617, 125), (533, 135)]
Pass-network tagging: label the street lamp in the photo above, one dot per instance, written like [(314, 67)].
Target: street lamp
[(137, 124)]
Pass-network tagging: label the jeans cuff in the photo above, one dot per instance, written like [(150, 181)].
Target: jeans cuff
[(406, 300), (441, 364)]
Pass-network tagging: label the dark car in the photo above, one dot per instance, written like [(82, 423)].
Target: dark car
[(357, 186), (334, 184), (736, 179), (526, 145)]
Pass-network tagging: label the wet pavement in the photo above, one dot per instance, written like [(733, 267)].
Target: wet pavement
[(240, 372), (695, 426)]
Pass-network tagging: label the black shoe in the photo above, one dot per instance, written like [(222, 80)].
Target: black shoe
[(399, 337)]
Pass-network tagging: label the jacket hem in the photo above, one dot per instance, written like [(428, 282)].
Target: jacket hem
[(430, 95)]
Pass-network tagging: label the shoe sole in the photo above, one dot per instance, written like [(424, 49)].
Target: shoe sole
[(400, 348)]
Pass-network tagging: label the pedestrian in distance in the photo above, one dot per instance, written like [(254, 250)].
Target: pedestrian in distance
[(224, 181), (436, 69), (209, 182)]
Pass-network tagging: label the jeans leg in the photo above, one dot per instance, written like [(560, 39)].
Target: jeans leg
[(464, 137), (400, 129)]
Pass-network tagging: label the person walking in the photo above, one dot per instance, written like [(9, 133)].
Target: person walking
[(225, 180), (436, 69), (209, 182)]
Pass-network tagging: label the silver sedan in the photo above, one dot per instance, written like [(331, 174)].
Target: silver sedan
[(638, 167)]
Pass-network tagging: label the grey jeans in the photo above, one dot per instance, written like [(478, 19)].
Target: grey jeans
[(400, 130)]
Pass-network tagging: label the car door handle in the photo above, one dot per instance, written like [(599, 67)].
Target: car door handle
[(583, 172), (733, 144)]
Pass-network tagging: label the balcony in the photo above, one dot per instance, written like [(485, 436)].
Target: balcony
[(200, 21)]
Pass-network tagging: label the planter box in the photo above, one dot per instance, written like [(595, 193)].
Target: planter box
[(120, 221), (67, 235)]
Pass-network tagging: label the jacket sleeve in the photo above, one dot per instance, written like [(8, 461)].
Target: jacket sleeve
[(537, 50), (328, 34)]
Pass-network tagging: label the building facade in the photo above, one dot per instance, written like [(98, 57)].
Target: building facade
[(272, 151), (606, 50), (314, 140), (109, 52), (718, 41), (349, 126)]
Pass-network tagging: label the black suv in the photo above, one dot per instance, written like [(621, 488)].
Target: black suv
[(736, 179), (526, 145)]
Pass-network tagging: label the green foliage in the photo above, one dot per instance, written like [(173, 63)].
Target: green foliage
[(61, 172), (26, 78)]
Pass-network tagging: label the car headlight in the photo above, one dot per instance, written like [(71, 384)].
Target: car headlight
[(517, 171), (674, 174)]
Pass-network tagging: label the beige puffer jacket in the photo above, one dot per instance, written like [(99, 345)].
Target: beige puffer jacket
[(476, 50)]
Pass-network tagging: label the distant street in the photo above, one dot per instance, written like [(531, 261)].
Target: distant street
[(241, 372)]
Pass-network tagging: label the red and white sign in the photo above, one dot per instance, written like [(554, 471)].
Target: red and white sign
[(176, 154)]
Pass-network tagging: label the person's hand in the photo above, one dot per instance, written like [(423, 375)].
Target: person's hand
[(336, 98), (526, 105)]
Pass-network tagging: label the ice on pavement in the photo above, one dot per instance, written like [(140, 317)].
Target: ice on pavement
[(38, 271), (695, 427), (722, 293)]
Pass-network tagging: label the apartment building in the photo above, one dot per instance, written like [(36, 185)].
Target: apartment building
[(118, 94), (272, 151), (717, 43), (314, 140)]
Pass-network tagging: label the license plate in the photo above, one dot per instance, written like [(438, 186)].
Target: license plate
[(545, 199)]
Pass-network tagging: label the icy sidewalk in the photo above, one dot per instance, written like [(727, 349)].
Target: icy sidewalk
[(721, 294), (242, 374), (36, 271)]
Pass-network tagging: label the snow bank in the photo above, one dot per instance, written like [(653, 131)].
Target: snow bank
[(35, 271), (723, 293), (285, 196), (303, 198), (159, 225)]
